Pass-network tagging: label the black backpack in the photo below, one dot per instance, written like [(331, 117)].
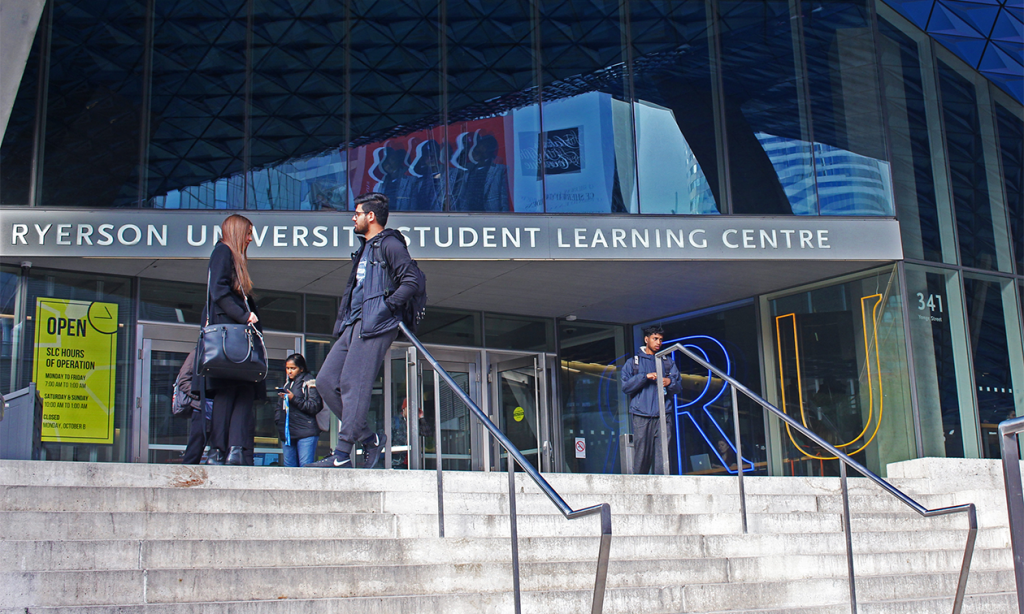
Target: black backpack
[(414, 309), (183, 400)]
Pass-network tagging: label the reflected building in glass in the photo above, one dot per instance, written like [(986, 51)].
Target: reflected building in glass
[(823, 198)]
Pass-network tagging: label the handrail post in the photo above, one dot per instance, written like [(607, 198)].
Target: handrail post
[(437, 453), (849, 536), (662, 422), (515, 533), (739, 458), (1010, 450), (602, 559)]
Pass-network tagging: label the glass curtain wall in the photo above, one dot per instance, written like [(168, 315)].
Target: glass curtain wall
[(838, 364), (763, 107)]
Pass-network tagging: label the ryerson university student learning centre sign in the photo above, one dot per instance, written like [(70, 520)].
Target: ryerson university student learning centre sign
[(316, 235)]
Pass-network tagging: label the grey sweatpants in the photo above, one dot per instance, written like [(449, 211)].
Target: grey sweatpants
[(345, 381), (646, 444)]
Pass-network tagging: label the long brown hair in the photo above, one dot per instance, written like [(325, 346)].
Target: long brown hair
[(235, 231)]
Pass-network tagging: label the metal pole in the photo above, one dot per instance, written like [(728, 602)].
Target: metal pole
[(1010, 449), (412, 409), (662, 423), (739, 457), (849, 537), (515, 533), (437, 454)]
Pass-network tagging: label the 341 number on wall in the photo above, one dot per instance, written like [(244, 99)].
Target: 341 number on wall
[(932, 302)]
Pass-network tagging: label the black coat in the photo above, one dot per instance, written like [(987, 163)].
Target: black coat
[(390, 282), (302, 410), (228, 307)]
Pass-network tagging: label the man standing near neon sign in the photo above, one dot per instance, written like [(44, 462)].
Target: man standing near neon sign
[(639, 381)]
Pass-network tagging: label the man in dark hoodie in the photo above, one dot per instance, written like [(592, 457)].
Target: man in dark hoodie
[(640, 383), (382, 279)]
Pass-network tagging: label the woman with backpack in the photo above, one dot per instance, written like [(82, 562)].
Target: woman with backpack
[(296, 413)]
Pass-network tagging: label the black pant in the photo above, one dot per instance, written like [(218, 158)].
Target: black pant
[(233, 419), (647, 444), (199, 432)]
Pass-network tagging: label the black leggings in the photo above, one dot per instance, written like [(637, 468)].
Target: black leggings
[(233, 418)]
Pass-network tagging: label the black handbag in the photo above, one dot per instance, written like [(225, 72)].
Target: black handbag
[(230, 351)]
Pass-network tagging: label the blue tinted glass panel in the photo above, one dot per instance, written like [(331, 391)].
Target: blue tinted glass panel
[(991, 358), (581, 151), (198, 104), (851, 167), (1011, 150), (913, 181), (770, 155), (16, 148), (967, 170), (94, 105)]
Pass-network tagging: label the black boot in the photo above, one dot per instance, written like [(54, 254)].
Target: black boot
[(215, 457), (235, 455)]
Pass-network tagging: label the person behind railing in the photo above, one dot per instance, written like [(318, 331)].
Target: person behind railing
[(296, 414), (233, 425), (640, 383), (367, 323)]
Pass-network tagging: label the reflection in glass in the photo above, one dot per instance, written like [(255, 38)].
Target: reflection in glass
[(677, 147), (456, 451), (451, 327), (967, 170), (841, 370), (519, 333), (939, 359), (987, 313), (10, 279), (1011, 150), (925, 237), (759, 78), (851, 172), (171, 301)]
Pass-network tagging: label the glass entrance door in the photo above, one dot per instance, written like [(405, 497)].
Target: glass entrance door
[(514, 395)]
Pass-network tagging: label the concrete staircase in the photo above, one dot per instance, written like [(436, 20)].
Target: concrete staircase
[(81, 537)]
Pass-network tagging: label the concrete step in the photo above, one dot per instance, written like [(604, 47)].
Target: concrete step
[(67, 588), (617, 601), (990, 603), (143, 525), (912, 586)]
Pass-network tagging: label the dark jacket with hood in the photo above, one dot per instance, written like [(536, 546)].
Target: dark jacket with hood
[(643, 392), (302, 409), (389, 283), (228, 308)]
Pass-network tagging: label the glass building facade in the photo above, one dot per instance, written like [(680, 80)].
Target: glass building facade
[(845, 110)]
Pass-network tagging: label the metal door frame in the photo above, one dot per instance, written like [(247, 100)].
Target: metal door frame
[(484, 394)]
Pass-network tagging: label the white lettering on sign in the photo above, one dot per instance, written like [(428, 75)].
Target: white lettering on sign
[(275, 235)]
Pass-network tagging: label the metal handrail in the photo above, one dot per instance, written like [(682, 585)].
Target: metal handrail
[(515, 455), (1010, 451), (968, 508)]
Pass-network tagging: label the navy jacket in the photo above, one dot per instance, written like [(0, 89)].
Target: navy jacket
[(389, 283), (643, 392)]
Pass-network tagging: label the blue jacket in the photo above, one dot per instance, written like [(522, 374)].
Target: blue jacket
[(643, 392), (390, 281)]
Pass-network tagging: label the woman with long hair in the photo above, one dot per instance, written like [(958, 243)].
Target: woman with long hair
[(230, 289), (295, 417)]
